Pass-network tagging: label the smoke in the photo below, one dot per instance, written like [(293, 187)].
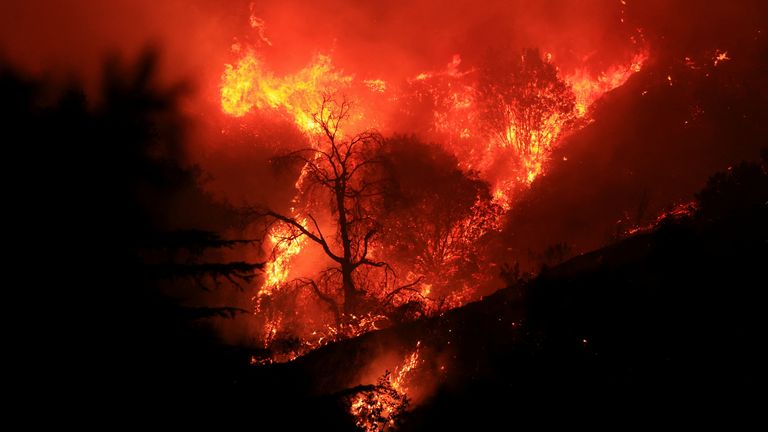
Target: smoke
[(382, 39), (372, 39), (72, 37)]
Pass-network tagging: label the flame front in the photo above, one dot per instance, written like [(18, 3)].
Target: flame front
[(247, 85), (588, 89)]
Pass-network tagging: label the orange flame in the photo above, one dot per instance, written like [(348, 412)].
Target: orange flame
[(286, 245), (377, 410), (588, 89), (247, 85)]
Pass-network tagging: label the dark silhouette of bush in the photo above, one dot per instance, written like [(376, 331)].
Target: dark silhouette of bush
[(103, 214), (740, 189)]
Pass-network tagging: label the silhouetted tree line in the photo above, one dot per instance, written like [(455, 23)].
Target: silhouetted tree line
[(106, 213), (738, 190)]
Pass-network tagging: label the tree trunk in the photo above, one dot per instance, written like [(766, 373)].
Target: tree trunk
[(350, 293), (347, 268)]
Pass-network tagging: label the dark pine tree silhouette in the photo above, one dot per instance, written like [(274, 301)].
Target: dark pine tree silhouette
[(101, 180)]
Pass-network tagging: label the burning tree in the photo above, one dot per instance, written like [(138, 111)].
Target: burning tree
[(380, 407), (436, 215), (524, 106), (342, 170)]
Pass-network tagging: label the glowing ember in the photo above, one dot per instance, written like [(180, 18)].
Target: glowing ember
[(678, 212), (720, 57)]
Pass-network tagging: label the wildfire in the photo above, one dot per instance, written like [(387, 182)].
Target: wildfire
[(542, 141), (247, 85), (356, 326), (678, 212), (454, 104), (285, 245), (403, 373), (588, 88), (378, 409)]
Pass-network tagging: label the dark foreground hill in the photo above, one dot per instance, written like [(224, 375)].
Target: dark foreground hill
[(668, 318)]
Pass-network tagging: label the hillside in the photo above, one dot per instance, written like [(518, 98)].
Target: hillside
[(665, 317)]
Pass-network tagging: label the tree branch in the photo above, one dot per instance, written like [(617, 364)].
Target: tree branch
[(407, 287), (334, 305), (366, 241), (313, 237)]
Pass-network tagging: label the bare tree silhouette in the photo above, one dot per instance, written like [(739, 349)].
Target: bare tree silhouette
[(345, 170)]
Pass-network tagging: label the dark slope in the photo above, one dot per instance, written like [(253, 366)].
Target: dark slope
[(665, 318)]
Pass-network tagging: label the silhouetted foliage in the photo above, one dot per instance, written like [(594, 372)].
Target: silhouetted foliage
[(109, 199), (234, 272), (740, 189), (194, 240), (434, 214), (555, 254)]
